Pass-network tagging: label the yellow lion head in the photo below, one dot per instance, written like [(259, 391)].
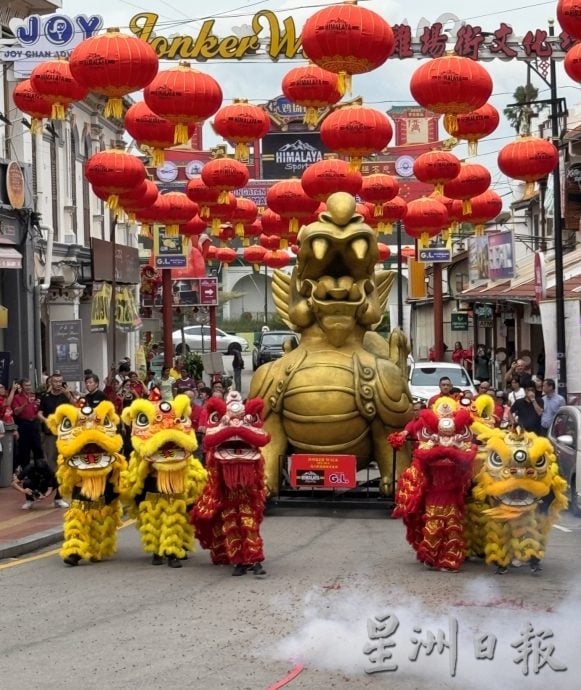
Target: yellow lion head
[(88, 443)]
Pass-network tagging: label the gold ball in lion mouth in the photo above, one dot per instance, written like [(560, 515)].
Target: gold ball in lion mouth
[(341, 207)]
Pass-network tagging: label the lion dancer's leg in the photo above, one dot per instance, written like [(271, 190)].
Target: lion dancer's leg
[(176, 536), (104, 530), (443, 544), (497, 545), (149, 524), (252, 544), (77, 532)]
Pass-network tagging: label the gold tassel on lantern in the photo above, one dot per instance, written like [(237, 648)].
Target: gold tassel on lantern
[(145, 230), (479, 230), (439, 189), (57, 111), (355, 164), (36, 125), (424, 240), (239, 229), (172, 230), (377, 210), (451, 123), (311, 117), (293, 226), (223, 197), (215, 227), (473, 147), (113, 201), (344, 83), (466, 207), (241, 151), (529, 190), (157, 157), (180, 133), (204, 212), (114, 108)]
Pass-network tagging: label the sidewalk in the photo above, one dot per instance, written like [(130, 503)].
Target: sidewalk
[(23, 531)]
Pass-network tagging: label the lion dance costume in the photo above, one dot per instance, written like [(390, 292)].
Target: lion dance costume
[(519, 495), (163, 479), (89, 470), (430, 493), (228, 515)]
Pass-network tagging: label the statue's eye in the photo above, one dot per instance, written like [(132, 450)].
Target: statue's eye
[(495, 460), (66, 424), (214, 418), (142, 419)]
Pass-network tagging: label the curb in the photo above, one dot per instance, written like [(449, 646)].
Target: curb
[(40, 540)]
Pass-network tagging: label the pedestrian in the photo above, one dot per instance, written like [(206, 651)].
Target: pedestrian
[(516, 391), (166, 384), (6, 398), (552, 401), (93, 394), (136, 385), (57, 394), (37, 482), (235, 350), (519, 369), (184, 382), (527, 411), (458, 353), (26, 405), (482, 364), (445, 385)]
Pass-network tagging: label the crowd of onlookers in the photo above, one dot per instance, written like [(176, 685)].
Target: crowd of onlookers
[(35, 452)]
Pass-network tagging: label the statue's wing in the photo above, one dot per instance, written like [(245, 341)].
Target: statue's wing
[(281, 290), (384, 282)]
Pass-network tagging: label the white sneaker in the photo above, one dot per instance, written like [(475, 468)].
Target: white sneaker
[(59, 503), (27, 505)]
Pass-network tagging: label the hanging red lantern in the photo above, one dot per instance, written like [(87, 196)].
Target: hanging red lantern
[(176, 209), (472, 180), (221, 213), (31, 103), (528, 159), (313, 88), (254, 255), (116, 172), (425, 218), (356, 131), (408, 253), (251, 232), (224, 174), (276, 258), (149, 129), (241, 123), (288, 199), (476, 125), (485, 207), (184, 96), (193, 228), (365, 212), (114, 64), (270, 242), (202, 195), (53, 80), (569, 17), (450, 85), (347, 39), (274, 225), (437, 168), (210, 251), (225, 234), (226, 255), (572, 62), (455, 210), (384, 252), (321, 179), (141, 197), (245, 214), (378, 188), (392, 211)]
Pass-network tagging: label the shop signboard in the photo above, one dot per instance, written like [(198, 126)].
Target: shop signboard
[(289, 154), (500, 255), (477, 260), (323, 471), (168, 250), (459, 321), (67, 349)]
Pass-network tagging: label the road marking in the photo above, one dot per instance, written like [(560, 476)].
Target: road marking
[(563, 529), (46, 554)]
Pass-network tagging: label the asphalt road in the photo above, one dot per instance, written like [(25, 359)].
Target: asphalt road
[(125, 624)]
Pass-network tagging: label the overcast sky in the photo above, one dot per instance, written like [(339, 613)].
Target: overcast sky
[(387, 86)]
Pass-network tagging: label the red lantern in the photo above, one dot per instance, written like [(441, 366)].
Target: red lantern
[(384, 252), (116, 172), (241, 123), (273, 224), (476, 125), (193, 228), (31, 103), (149, 129), (325, 177), (254, 255), (485, 207), (572, 62), (224, 174), (569, 17), (313, 88), (392, 211), (347, 39), (202, 195), (210, 251), (528, 159), (455, 210), (425, 218), (437, 168), (276, 258), (378, 188), (226, 255), (356, 131), (221, 213), (245, 214), (408, 253), (114, 64), (141, 197), (288, 199), (176, 209), (270, 242), (365, 212), (451, 85), (53, 80), (184, 96), (251, 231), (472, 180)]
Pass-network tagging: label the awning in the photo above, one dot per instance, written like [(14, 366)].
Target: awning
[(10, 258)]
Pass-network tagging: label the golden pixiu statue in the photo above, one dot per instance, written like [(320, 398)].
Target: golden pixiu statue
[(344, 388)]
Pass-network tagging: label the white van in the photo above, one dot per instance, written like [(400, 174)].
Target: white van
[(425, 376)]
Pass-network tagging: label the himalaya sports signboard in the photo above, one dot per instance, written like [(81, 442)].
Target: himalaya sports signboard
[(38, 38), (289, 154)]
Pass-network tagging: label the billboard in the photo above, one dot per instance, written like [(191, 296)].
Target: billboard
[(501, 255), (289, 154), (477, 260), (67, 349)]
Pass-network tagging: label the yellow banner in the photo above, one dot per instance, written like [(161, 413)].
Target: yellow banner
[(100, 307), (126, 315)]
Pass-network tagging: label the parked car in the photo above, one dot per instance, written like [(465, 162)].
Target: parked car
[(565, 435), (424, 378), (197, 339), (271, 345)]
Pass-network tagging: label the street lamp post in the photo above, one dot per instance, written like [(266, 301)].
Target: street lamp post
[(399, 277)]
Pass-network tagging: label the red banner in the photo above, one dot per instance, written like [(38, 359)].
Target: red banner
[(323, 471)]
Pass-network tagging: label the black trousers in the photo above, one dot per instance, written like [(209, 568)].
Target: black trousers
[(29, 441)]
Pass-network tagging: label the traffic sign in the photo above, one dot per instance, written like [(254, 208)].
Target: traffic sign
[(434, 256)]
